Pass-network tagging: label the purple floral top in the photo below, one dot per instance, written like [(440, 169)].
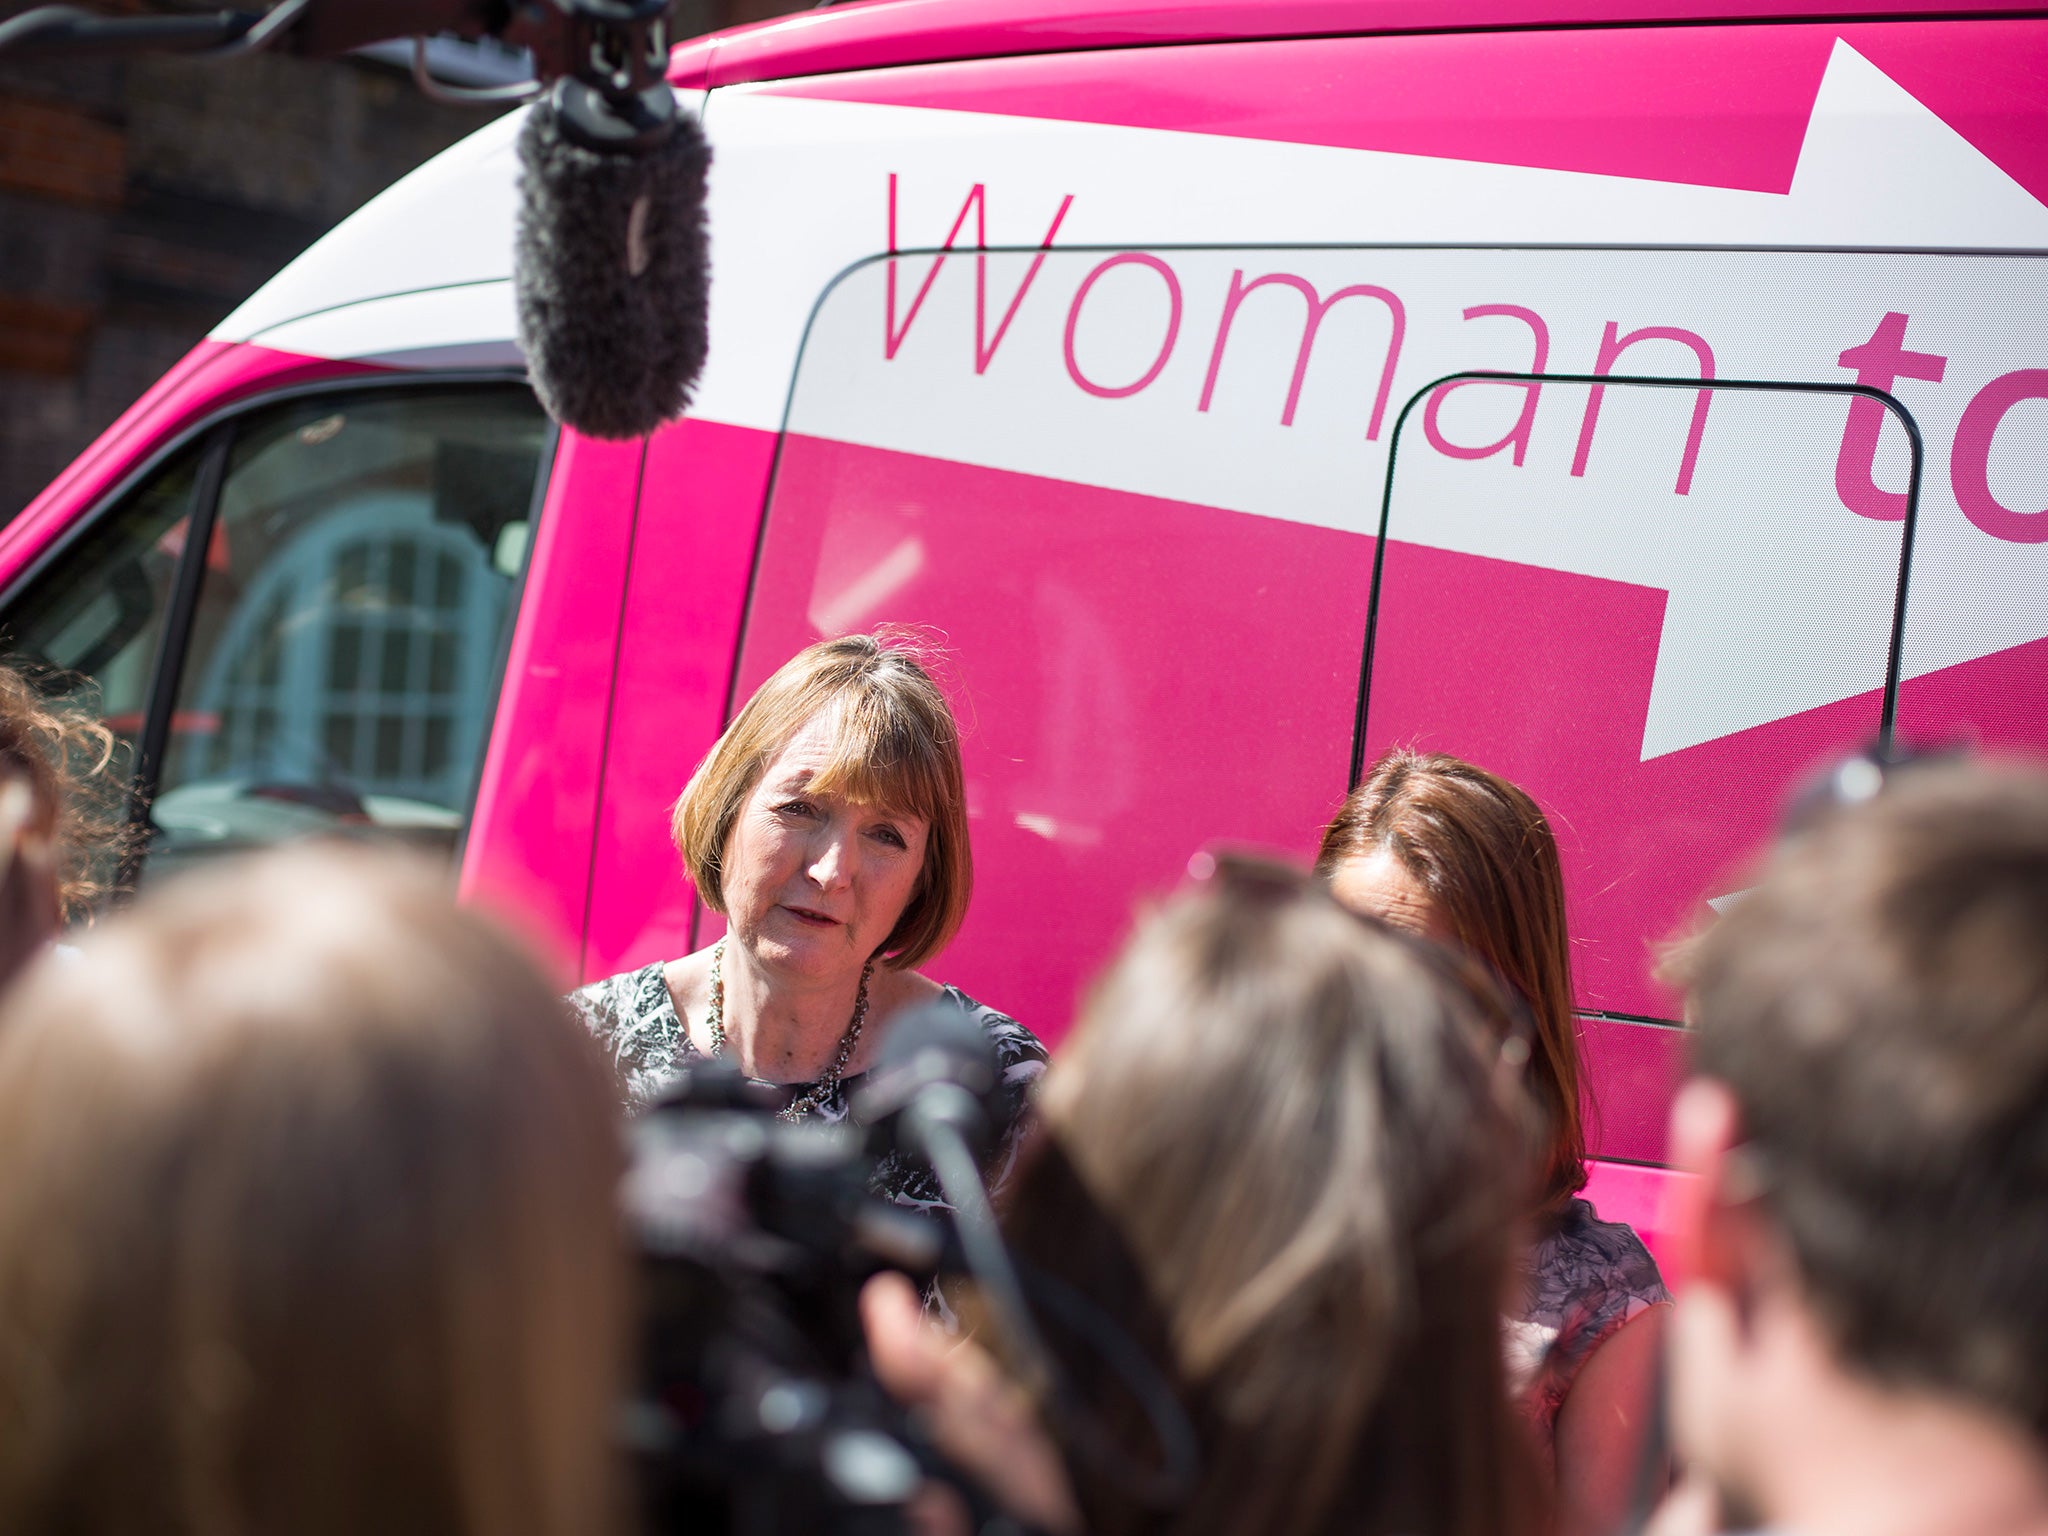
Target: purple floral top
[(1583, 1279)]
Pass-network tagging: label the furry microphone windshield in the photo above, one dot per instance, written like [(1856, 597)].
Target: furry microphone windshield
[(611, 272)]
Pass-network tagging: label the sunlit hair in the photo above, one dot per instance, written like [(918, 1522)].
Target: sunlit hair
[(28, 878), (1484, 855), (306, 1220), (894, 746), (1274, 1154), (1877, 1005), (78, 772)]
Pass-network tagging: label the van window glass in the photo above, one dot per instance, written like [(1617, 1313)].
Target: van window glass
[(342, 665), (90, 627), (1660, 667)]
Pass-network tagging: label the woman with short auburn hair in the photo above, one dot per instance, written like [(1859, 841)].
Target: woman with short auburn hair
[(828, 826), (1442, 847), (307, 1221)]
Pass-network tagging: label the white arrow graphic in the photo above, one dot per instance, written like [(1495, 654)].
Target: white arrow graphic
[(1776, 593), (1875, 158)]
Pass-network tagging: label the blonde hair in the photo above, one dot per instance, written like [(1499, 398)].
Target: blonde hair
[(1274, 1154), (894, 744), (306, 1220)]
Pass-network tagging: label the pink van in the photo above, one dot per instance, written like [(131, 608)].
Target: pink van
[(1150, 354)]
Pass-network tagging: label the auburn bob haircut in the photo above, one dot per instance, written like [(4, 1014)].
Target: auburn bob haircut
[(895, 745)]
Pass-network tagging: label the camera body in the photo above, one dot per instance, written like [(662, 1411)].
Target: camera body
[(755, 1410)]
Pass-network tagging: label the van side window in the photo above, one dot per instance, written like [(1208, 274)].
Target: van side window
[(92, 626), (337, 666), (1675, 620)]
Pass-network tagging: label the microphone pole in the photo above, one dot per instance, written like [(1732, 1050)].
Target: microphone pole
[(314, 29), (52, 31)]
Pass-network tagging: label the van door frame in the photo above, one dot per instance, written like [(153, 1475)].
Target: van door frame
[(167, 666)]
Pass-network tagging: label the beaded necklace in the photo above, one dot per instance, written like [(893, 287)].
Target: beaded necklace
[(823, 1088)]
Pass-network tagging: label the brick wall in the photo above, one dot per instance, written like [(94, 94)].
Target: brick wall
[(142, 199)]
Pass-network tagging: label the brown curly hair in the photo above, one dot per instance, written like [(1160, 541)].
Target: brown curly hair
[(78, 770)]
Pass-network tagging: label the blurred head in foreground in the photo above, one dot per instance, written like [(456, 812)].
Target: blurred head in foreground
[(1868, 1251), (306, 1220), (1276, 1154)]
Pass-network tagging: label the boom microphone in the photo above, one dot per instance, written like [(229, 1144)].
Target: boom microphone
[(610, 268)]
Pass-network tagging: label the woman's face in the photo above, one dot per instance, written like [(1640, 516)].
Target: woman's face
[(814, 883), (1378, 885)]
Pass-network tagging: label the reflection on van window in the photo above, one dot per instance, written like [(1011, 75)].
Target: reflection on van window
[(91, 629), (342, 661), (358, 582)]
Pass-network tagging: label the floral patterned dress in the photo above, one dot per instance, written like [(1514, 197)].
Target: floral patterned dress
[(634, 1017), (1582, 1280)]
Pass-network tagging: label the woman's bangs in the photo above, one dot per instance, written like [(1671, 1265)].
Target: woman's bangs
[(880, 758)]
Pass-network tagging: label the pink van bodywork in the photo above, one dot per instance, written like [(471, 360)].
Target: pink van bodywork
[(933, 31), (1153, 578)]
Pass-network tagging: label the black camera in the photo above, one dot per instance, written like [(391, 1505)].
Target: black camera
[(755, 1410)]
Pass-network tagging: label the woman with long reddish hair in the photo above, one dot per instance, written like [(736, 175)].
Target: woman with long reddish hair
[(1442, 847)]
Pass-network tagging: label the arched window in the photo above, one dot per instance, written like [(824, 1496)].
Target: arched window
[(360, 658)]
